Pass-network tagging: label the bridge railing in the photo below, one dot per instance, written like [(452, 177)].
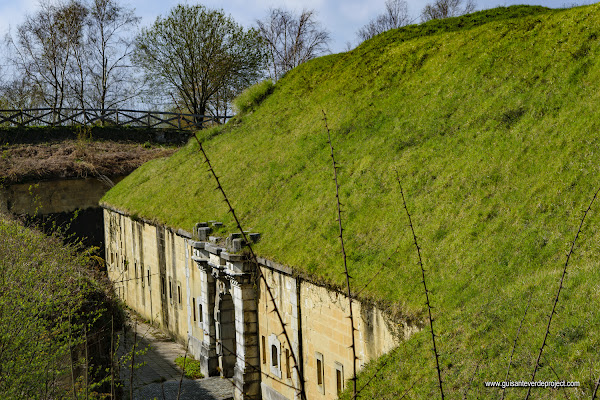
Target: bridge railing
[(119, 117)]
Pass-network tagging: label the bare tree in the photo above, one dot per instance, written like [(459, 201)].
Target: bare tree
[(395, 15), (441, 9), (44, 46), (109, 42), (291, 40), (19, 94)]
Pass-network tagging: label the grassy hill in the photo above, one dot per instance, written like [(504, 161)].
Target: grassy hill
[(491, 122)]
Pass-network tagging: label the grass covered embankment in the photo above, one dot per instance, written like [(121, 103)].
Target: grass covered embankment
[(491, 121), (51, 307)]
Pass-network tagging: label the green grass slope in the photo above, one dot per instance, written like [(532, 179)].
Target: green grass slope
[(491, 122)]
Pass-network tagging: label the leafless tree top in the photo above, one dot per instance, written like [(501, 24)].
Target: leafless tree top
[(291, 40), (441, 9), (395, 15)]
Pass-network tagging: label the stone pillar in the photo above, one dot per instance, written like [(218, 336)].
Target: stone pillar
[(247, 368), (208, 351)]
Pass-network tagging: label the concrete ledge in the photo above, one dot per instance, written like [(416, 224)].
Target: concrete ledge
[(182, 233), (196, 244), (213, 249), (232, 257), (200, 260)]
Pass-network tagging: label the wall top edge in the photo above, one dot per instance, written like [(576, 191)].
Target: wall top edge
[(219, 251), (179, 232), (275, 266)]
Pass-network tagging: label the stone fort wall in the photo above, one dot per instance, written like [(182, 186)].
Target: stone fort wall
[(210, 298)]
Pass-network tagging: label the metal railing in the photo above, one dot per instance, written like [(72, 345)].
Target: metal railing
[(115, 117)]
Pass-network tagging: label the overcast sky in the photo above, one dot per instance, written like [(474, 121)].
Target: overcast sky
[(341, 17)]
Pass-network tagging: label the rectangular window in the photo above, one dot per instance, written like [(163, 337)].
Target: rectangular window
[(148, 278), (339, 377), (320, 373), (135, 269), (200, 315), (264, 350), (179, 293), (194, 307), (163, 287), (170, 290), (274, 356)]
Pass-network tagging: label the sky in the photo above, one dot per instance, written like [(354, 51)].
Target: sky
[(341, 17)]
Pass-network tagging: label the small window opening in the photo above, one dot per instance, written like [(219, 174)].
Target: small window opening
[(194, 307), (274, 356), (179, 293), (200, 315), (170, 290), (264, 350), (148, 278), (163, 287), (339, 377), (319, 372)]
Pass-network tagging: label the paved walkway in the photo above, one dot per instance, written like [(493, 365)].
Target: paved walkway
[(157, 376)]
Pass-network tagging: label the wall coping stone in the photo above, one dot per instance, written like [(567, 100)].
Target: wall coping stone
[(213, 249), (197, 245), (216, 266), (200, 260), (232, 257), (276, 266), (182, 233)]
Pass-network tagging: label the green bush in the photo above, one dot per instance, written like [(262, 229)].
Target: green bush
[(253, 96), (192, 367)]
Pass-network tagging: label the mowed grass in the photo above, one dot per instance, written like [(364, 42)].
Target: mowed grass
[(491, 122)]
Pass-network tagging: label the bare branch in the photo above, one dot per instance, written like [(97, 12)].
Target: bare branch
[(441, 9), (291, 40), (396, 15), (560, 286)]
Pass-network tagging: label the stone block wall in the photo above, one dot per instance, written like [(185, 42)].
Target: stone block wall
[(215, 301), (51, 197)]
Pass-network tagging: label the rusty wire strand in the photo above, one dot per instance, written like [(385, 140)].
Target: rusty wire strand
[(341, 236), (560, 286), (596, 389), (427, 302), (378, 271), (301, 390)]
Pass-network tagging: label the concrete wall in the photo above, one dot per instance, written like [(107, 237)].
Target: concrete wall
[(51, 197), (231, 313)]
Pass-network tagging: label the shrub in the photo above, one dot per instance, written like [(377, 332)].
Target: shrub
[(253, 96), (192, 367)]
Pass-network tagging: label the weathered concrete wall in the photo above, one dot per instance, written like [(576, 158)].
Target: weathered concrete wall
[(51, 197), (214, 299)]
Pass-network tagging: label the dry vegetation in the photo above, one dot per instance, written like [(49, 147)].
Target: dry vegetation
[(73, 159)]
